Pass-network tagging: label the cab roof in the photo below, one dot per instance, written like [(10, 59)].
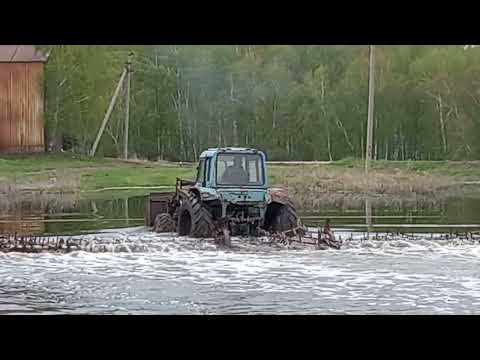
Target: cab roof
[(212, 151)]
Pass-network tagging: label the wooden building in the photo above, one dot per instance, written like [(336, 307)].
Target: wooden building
[(21, 99)]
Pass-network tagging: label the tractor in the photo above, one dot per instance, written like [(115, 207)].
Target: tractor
[(229, 197)]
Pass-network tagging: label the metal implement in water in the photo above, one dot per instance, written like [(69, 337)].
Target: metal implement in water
[(58, 244), (322, 238)]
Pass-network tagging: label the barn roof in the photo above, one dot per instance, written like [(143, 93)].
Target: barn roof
[(20, 53)]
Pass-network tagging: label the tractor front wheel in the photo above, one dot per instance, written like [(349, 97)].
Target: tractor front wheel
[(164, 223)]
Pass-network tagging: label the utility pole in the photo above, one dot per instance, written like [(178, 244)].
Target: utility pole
[(109, 112), (126, 75), (371, 108), (127, 104)]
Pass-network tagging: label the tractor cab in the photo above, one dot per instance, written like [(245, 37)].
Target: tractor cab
[(233, 175), (232, 168)]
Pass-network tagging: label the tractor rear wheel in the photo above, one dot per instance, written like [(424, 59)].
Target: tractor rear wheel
[(164, 223), (194, 219), (286, 218)]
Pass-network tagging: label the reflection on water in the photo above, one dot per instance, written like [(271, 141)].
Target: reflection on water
[(31, 216), (368, 214), (67, 215)]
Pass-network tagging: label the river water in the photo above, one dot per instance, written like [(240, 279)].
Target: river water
[(374, 273)]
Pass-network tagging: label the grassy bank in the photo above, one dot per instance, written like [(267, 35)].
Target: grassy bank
[(67, 173), (74, 173)]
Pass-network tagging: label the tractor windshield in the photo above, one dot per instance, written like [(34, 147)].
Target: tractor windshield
[(240, 169)]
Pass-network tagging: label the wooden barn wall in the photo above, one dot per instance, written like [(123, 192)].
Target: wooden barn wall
[(21, 108)]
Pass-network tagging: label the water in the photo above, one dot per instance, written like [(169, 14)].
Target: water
[(419, 273)]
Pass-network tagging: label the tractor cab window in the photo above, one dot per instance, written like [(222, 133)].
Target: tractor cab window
[(239, 169), (201, 171)]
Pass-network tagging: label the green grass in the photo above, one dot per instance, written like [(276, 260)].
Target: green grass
[(457, 169), (129, 177), (18, 165), (87, 174), (82, 173)]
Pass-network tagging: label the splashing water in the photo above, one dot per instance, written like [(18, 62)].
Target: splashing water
[(146, 273)]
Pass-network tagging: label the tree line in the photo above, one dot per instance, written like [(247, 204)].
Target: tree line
[(296, 102)]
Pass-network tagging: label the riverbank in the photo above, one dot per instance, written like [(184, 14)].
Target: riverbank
[(67, 173)]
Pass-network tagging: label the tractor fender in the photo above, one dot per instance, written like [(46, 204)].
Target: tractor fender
[(277, 195)]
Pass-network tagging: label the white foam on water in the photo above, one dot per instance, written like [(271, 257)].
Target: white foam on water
[(161, 273)]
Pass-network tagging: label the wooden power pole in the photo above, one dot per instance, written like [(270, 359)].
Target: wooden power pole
[(127, 105), (371, 109), (126, 74), (109, 112)]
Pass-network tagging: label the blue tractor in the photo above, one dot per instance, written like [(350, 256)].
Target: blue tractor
[(229, 197)]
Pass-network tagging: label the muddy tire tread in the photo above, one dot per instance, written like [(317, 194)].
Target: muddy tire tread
[(287, 218), (202, 224), (164, 223), (202, 220)]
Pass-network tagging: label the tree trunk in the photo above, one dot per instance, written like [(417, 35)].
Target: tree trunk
[(182, 143), (376, 151), (274, 113), (361, 145), (442, 124), (223, 133), (234, 117), (220, 129), (345, 134), (55, 143), (178, 110), (328, 144)]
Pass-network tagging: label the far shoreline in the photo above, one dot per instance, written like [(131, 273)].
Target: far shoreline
[(310, 183)]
